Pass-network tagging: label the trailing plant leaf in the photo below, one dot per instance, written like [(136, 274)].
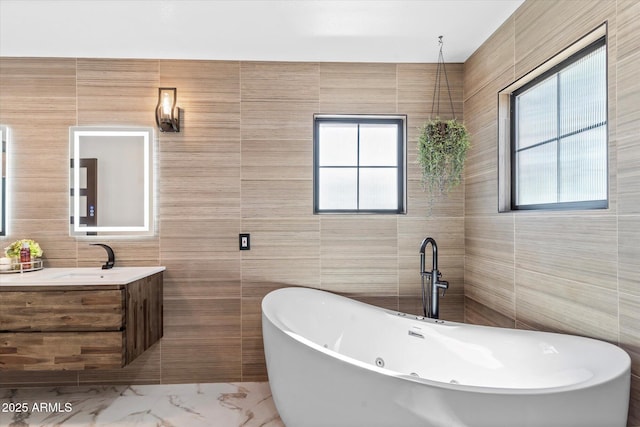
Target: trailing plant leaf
[(442, 150)]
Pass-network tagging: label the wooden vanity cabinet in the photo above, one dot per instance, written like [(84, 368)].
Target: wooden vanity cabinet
[(77, 327)]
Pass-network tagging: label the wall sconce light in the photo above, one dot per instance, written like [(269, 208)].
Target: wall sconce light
[(167, 113)]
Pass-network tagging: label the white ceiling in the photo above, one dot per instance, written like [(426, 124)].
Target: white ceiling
[(293, 30)]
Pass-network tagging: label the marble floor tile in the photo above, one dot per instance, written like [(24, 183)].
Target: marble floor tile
[(168, 405)]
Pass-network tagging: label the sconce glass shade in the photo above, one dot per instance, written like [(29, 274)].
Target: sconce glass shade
[(167, 113)]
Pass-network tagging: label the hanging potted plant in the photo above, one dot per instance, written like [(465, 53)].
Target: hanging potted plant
[(442, 144), (442, 150)]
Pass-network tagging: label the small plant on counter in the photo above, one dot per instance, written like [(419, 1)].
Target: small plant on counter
[(13, 250)]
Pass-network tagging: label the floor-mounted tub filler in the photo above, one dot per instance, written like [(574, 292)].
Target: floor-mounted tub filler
[(336, 362)]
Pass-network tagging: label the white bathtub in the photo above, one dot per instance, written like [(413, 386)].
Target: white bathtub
[(336, 362)]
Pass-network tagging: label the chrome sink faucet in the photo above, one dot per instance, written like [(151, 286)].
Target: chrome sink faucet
[(431, 297)]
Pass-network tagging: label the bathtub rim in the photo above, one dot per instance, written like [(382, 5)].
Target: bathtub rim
[(595, 380)]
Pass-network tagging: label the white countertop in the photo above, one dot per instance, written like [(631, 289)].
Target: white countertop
[(78, 276)]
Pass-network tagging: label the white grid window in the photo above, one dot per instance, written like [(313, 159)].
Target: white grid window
[(359, 164)]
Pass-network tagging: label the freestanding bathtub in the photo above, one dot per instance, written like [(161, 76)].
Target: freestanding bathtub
[(336, 362)]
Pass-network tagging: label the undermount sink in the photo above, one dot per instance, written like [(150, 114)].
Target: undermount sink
[(90, 274), (82, 276)]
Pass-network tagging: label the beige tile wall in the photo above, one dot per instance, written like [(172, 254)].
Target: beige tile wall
[(241, 163), (574, 271)]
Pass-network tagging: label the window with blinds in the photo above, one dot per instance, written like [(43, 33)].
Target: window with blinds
[(559, 135)]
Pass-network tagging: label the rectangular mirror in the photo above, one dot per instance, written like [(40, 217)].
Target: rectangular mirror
[(111, 181), (4, 144)]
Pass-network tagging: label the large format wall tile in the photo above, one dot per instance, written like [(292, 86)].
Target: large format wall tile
[(629, 254), (280, 81), (489, 262), (265, 159), (354, 275), (198, 278), (117, 91), (277, 238), (277, 198), (196, 360), (479, 314), (628, 27), (352, 236), (275, 120), (542, 29), (347, 88), (203, 318), (547, 302), (628, 115), (481, 193), (579, 248), (261, 276)]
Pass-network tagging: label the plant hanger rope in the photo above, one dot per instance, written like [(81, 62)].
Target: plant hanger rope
[(442, 144), (440, 70)]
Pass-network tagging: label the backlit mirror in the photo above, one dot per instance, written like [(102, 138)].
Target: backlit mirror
[(111, 188), (4, 144)]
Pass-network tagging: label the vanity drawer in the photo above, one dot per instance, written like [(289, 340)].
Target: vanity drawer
[(54, 351), (73, 310)]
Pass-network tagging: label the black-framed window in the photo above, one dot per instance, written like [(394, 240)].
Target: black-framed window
[(359, 164), (559, 135)]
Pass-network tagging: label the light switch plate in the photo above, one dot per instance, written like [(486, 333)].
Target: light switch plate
[(245, 241)]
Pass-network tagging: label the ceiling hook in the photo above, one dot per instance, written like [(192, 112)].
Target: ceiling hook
[(440, 71)]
